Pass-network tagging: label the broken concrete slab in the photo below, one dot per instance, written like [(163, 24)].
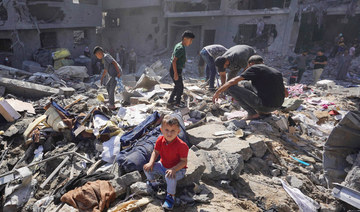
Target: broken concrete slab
[(21, 106), (66, 91), (235, 145), (7, 111), (235, 124), (294, 181), (2, 91), (14, 71), (257, 145), (120, 184), (194, 171), (141, 188), (146, 82), (221, 165), (291, 104), (129, 80), (207, 144), (27, 89), (204, 132)]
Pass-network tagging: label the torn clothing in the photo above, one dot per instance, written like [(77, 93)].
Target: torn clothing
[(80, 181), (93, 196)]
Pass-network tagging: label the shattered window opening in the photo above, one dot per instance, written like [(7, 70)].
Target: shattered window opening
[(79, 37), (45, 13), (5, 45), (250, 35), (48, 40)]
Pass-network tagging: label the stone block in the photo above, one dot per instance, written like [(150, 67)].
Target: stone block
[(235, 145), (257, 145)]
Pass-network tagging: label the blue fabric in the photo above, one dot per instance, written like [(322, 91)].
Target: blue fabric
[(136, 156), (58, 107), (127, 138)]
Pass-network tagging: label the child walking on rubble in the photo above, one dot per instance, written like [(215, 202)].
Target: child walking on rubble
[(178, 60), (114, 70), (173, 159)]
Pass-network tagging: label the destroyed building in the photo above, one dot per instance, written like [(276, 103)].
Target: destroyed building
[(28, 25), (62, 148), (277, 25)]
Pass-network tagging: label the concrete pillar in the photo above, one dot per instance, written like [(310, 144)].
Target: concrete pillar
[(288, 32)]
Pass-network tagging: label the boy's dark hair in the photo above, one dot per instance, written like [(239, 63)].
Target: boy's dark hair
[(98, 48), (170, 120), (256, 59), (294, 68), (188, 34), (219, 62)]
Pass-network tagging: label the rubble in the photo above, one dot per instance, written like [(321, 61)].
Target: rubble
[(235, 164), (27, 89)]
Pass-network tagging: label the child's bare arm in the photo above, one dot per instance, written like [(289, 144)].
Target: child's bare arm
[(182, 163), (172, 172)]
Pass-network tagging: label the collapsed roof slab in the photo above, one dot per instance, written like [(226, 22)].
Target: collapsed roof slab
[(27, 89)]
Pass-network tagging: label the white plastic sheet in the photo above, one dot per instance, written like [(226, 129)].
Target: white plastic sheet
[(111, 149), (305, 203)]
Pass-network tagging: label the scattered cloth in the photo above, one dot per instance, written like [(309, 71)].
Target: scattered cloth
[(80, 181), (93, 196)]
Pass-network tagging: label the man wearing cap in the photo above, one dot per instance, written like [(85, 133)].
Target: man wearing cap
[(263, 93), (234, 59)]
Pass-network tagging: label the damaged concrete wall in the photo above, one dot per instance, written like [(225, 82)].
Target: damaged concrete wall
[(29, 20), (30, 41), (33, 14), (143, 29)]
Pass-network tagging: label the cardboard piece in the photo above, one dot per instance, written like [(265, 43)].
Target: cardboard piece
[(7, 111)]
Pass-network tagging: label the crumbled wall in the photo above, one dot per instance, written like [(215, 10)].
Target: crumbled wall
[(141, 28)]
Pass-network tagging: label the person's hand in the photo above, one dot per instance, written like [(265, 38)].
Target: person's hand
[(176, 77), (170, 173), (148, 167), (215, 97), (101, 82), (119, 75)]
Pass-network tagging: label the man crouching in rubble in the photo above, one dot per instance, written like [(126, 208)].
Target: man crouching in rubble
[(173, 159), (114, 70), (263, 95)]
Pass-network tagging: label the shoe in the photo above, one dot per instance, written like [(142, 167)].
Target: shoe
[(171, 102), (180, 105), (169, 202)]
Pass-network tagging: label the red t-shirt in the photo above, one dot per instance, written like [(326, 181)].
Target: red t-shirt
[(171, 153)]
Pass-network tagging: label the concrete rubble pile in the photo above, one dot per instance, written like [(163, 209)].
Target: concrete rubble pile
[(58, 141)]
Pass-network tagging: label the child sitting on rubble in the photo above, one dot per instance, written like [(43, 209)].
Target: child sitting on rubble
[(114, 70), (173, 159)]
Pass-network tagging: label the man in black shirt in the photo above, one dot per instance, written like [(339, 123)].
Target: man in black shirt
[(264, 94), (319, 64)]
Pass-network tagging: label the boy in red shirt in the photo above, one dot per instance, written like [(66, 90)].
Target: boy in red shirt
[(173, 158)]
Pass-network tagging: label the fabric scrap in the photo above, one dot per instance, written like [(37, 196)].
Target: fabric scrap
[(93, 196)]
